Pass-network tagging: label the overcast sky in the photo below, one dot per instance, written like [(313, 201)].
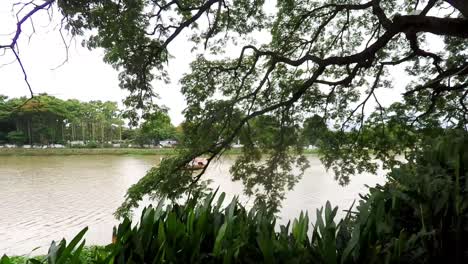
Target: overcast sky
[(85, 76)]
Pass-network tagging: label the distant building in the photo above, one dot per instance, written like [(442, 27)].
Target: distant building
[(168, 143), (77, 143), (237, 144)]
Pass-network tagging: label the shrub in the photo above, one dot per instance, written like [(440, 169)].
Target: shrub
[(421, 214), (106, 145), (16, 137), (91, 144), (124, 145)]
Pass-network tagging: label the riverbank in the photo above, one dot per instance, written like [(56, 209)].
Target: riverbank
[(84, 151), (102, 151), (87, 256)]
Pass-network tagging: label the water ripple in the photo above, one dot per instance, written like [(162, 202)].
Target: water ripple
[(47, 198)]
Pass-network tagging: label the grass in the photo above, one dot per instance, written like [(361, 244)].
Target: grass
[(310, 151), (102, 151), (238, 151), (86, 256), (84, 151)]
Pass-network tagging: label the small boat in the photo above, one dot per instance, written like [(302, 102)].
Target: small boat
[(197, 164), (114, 235)]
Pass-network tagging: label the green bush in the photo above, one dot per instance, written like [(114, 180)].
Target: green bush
[(16, 137), (91, 144), (106, 145), (421, 214)]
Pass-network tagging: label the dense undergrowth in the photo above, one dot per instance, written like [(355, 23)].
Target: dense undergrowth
[(419, 216)]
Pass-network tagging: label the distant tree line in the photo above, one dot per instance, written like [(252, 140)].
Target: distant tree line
[(262, 132), (46, 119)]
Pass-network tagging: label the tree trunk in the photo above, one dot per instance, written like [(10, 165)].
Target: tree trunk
[(54, 132), (73, 131), (30, 131), (83, 132), (102, 132), (93, 127), (111, 133)]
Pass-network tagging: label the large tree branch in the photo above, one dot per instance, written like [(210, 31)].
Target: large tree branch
[(21, 21), (401, 24), (455, 27), (189, 21), (13, 45), (460, 5)]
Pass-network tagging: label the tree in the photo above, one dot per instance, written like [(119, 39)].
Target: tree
[(46, 119), (327, 58), (313, 130), (156, 127)]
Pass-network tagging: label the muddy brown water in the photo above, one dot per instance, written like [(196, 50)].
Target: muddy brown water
[(51, 197)]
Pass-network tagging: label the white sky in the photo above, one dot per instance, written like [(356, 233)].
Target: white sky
[(86, 77)]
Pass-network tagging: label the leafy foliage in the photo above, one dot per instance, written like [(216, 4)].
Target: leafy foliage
[(420, 214), (46, 119), (16, 137), (156, 127), (314, 129)]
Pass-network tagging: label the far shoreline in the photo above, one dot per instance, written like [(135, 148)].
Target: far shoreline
[(104, 151)]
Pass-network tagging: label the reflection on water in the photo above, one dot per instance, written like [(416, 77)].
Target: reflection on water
[(47, 198)]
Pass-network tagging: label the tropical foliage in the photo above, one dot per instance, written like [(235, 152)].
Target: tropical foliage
[(46, 119), (156, 127)]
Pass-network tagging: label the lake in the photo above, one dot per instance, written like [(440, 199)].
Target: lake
[(45, 198)]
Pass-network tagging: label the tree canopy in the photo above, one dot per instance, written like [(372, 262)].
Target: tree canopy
[(156, 127), (326, 58), (46, 119)]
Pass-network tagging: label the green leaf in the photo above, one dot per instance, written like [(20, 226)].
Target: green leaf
[(219, 240), (77, 254), (66, 253), (5, 260), (33, 261)]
